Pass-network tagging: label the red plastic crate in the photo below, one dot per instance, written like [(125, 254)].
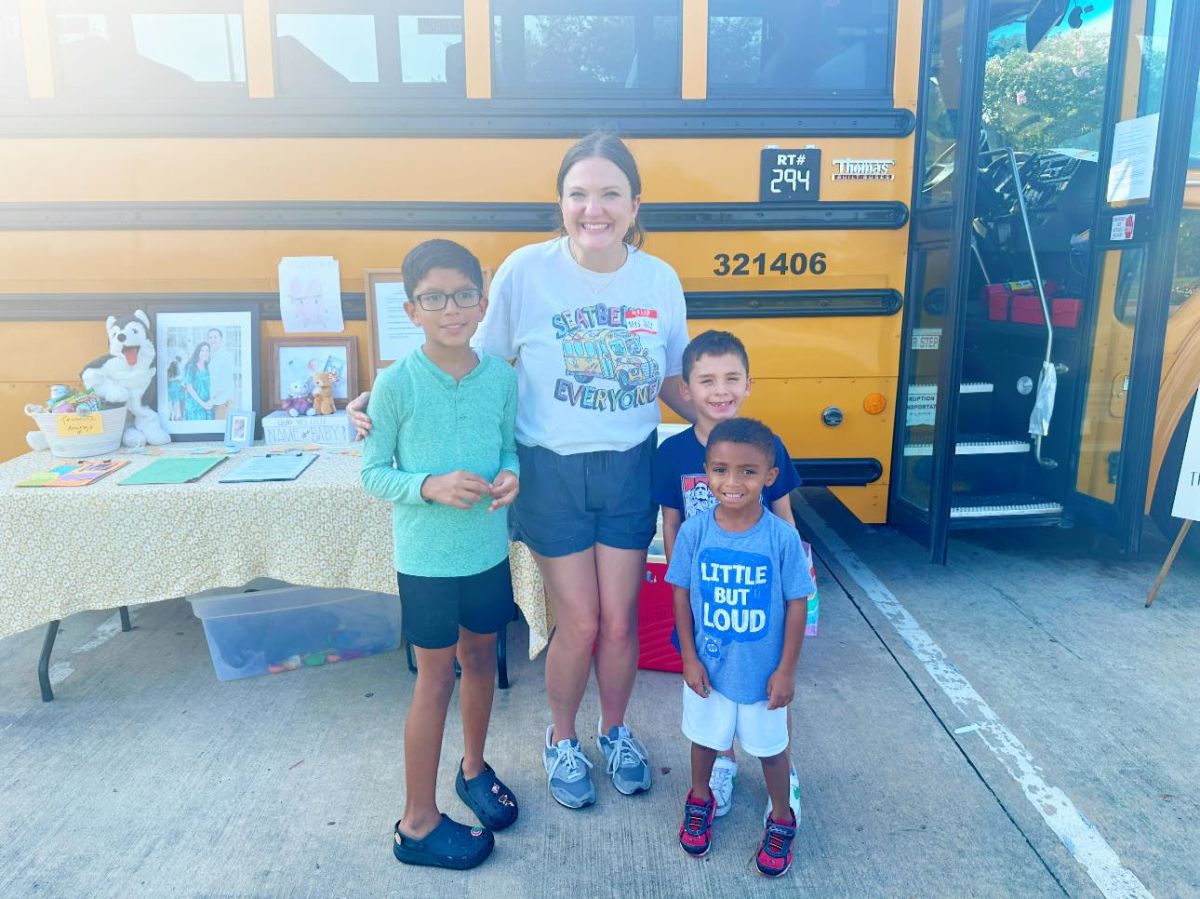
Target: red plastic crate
[(1026, 309), (997, 300), (1064, 312), (656, 620)]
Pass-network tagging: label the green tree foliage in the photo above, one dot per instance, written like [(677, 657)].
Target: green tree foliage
[(1052, 97), (578, 49)]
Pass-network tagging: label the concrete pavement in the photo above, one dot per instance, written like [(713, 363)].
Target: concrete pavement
[(148, 777)]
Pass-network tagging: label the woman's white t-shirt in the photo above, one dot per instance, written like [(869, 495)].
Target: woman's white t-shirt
[(591, 348)]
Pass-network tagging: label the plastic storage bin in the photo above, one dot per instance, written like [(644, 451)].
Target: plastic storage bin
[(279, 630)]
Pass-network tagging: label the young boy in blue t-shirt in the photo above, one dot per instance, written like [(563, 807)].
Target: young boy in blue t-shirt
[(716, 378), (741, 602), (442, 450)]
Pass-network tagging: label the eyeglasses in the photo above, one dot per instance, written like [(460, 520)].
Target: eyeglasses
[(463, 299)]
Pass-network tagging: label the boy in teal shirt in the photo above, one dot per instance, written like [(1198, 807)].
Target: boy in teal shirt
[(442, 450)]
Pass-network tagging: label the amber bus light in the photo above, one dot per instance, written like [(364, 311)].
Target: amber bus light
[(874, 403)]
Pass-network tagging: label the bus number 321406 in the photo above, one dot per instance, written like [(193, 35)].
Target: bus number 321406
[(783, 264)]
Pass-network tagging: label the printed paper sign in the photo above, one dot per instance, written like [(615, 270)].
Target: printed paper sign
[(79, 425), (398, 336), (1132, 168), (922, 401), (1187, 491)]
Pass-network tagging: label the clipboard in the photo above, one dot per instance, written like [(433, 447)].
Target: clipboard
[(271, 467), (184, 470)]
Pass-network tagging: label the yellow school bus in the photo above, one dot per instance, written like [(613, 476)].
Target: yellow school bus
[(831, 179)]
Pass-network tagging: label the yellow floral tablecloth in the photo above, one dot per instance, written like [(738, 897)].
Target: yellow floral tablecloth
[(73, 549)]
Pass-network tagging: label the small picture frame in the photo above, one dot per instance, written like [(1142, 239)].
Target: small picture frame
[(239, 428), (293, 362)]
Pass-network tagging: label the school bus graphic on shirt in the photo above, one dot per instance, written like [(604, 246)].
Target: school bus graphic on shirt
[(613, 354)]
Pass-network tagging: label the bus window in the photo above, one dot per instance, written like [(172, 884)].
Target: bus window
[(145, 53), (355, 48), (586, 48), (773, 47), (12, 59)]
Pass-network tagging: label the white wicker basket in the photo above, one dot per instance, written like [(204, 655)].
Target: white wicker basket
[(113, 423)]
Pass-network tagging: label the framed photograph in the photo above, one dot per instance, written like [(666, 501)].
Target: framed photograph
[(294, 361), (207, 361), (239, 428)]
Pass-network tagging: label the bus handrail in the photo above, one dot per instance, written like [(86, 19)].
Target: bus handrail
[(1019, 187)]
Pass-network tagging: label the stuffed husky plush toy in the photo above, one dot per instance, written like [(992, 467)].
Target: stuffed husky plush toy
[(124, 375)]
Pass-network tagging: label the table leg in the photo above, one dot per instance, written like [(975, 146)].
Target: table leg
[(44, 661), (124, 612)]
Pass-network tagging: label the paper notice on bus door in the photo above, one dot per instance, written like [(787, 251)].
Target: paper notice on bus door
[(1187, 491), (922, 402), (1132, 166)]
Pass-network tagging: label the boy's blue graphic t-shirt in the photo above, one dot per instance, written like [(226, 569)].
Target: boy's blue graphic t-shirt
[(739, 583), (680, 481)]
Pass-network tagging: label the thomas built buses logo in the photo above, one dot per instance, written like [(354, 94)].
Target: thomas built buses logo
[(863, 169)]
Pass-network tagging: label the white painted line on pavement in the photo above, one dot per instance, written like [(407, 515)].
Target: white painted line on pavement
[(1076, 832), (105, 631)]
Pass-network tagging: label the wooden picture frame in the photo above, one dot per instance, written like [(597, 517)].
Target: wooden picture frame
[(390, 332), (388, 325), (293, 359)]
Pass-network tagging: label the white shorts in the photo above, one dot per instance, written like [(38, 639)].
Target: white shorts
[(715, 721)]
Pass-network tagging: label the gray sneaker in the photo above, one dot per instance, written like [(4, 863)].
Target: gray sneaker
[(567, 772), (626, 758)]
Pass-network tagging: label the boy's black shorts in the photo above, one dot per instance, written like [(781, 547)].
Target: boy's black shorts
[(436, 607)]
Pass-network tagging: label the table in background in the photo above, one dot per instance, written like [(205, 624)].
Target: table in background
[(76, 549)]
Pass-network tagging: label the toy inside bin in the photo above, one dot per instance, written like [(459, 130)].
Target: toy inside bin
[(112, 427)]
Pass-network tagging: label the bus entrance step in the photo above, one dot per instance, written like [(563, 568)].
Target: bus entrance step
[(973, 446), (976, 387), (1017, 508), (922, 386)]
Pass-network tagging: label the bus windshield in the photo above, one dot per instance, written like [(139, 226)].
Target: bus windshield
[(1048, 98)]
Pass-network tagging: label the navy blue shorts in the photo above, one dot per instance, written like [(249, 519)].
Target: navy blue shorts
[(570, 503), (434, 608)]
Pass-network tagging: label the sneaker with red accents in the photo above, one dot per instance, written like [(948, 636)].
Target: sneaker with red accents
[(695, 835), (775, 854)]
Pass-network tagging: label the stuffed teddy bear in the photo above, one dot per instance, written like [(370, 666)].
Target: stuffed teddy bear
[(297, 402), (323, 392), (125, 374)]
